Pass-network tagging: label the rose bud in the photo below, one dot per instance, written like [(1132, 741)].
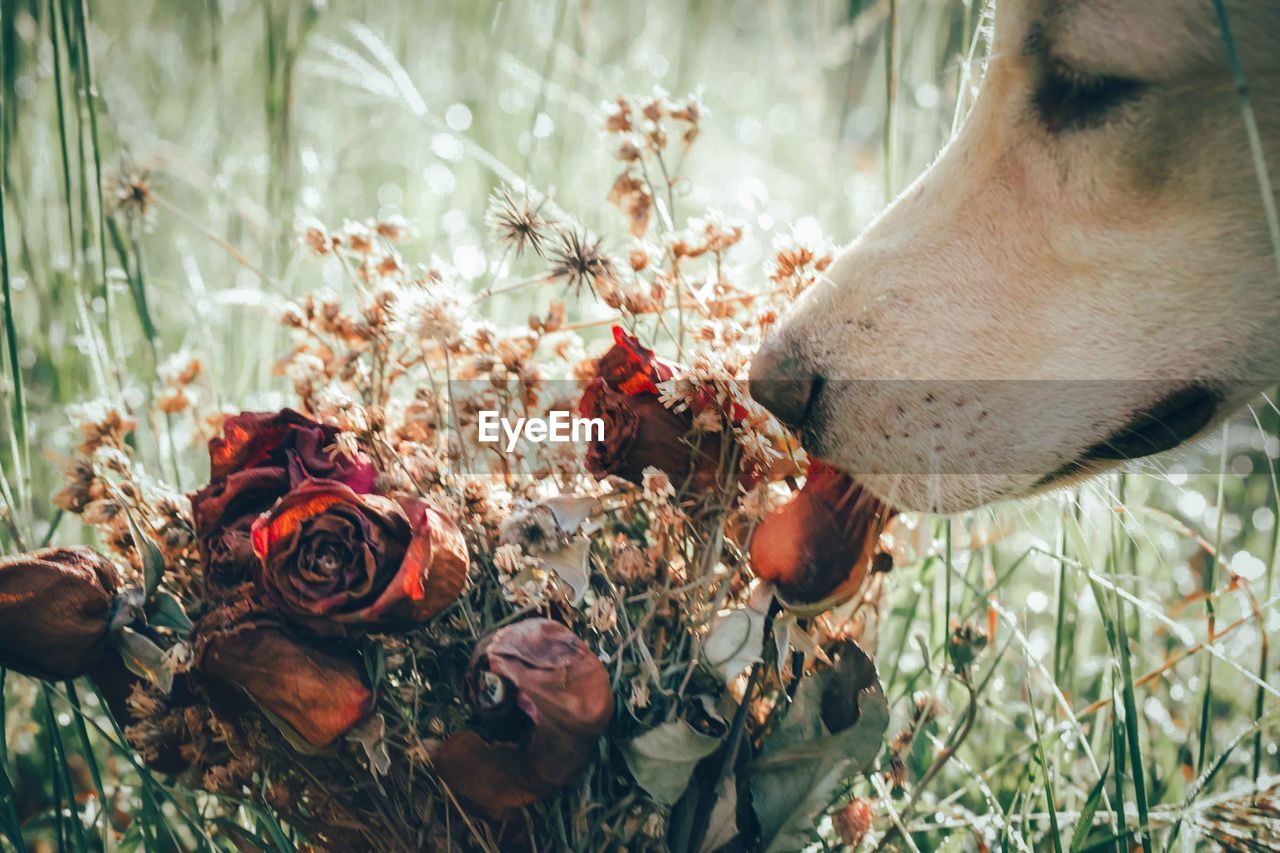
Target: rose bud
[(337, 560), (259, 457), (541, 701), (818, 546), (56, 606), (318, 690)]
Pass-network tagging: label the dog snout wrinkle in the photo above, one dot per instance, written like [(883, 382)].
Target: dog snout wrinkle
[(783, 384)]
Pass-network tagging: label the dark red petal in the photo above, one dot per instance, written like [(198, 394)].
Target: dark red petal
[(818, 545), (318, 690), (546, 735)]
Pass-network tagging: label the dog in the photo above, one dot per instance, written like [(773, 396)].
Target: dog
[(1084, 275)]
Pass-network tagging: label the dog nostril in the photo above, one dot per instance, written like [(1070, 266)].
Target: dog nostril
[(783, 385)]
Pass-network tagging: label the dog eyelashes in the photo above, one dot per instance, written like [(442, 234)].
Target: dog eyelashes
[(1066, 100)]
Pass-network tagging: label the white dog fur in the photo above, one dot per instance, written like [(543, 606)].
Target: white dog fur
[(1133, 246)]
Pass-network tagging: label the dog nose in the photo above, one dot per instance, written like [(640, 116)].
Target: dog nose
[(783, 384)]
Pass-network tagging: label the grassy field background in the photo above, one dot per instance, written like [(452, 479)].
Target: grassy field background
[(1127, 679)]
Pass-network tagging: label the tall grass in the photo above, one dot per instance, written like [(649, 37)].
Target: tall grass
[(1127, 681)]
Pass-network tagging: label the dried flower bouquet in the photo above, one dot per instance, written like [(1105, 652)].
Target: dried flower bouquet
[(389, 635)]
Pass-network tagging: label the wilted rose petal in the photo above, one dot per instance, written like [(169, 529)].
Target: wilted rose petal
[(224, 511), (319, 690), (285, 439), (818, 545), (335, 559), (631, 368), (56, 605), (434, 571), (259, 457), (541, 701)]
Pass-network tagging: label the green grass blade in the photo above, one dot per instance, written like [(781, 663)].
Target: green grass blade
[(19, 413), (1049, 802), (1210, 584), (62, 124), (86, 750), (9, 821), (64, 788), (1251, 130), (1131, 725), (1085, 822)]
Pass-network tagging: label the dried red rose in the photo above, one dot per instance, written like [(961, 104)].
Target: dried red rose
[(285, 439), (317, 689), (336, 560), (259, 457), (542, 700), (56, 606), (818, 546), (639, 431)]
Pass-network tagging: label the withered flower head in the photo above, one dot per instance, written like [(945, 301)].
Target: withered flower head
[(259, 457), (56, 607), (336, 560), (617, 118), (965, 644), (541, 700), (631, 195), (578, 260), (317, 689), (639, 431), (129, 192), (854, 821), (818, 545), (517, 223), (122, 688)]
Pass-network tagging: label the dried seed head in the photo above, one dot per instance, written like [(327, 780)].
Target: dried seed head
[(603, 615), (129, 193), (617, 116), (854, 821), (395, 228), (639, 693), (578, 260), (927, 707), (517, 224), (313, 235)]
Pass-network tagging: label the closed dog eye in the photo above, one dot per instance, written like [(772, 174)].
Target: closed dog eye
[(1066, 100)]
